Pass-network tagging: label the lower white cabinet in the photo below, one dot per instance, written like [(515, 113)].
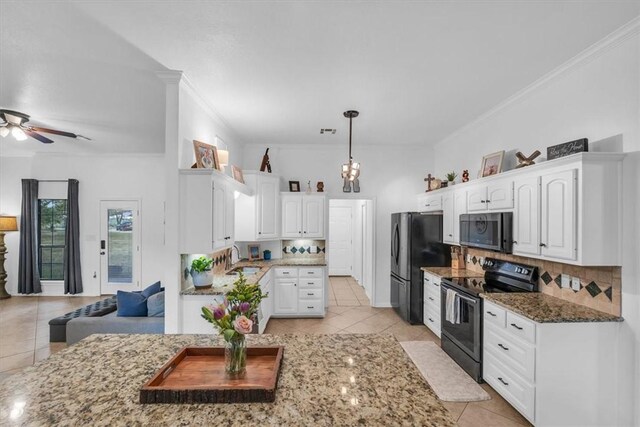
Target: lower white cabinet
[(554, 374), (266, 305), (431, 308), (299, 291), (192, 321)]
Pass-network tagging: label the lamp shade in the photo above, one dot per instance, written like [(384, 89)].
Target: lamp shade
[(8, 223), (223, 157)]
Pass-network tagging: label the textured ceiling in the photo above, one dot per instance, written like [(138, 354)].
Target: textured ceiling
[(277, 72)]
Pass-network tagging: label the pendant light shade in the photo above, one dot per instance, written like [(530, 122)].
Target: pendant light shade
[(351, 170)]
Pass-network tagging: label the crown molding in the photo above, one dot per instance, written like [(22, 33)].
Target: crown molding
[(614, 39)]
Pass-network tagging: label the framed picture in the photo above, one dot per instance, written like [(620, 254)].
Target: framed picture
[(492, 164), (294, 186), (254, 252), (206, 155), (237, 173)]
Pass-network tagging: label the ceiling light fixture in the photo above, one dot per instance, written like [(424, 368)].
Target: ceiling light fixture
[(351, 170), (18, 133)]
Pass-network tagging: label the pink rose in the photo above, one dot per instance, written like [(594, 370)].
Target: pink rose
[(243, 325)]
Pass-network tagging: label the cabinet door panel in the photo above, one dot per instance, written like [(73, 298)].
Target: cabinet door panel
[(500, 195), (448, 218), (229, 220), (477, 199), (291, 216), (526, 218), (267, 208), (313, 217), (219, 215), (559, 215), (286, 296), (459, 208)]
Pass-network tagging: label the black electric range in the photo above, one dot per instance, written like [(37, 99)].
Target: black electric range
[(462, 335)]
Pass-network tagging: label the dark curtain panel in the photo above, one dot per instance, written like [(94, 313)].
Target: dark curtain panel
[(28, 274), (72, 270)]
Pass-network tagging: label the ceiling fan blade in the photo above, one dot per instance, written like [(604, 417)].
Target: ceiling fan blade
[(59, 132), (37, 136)]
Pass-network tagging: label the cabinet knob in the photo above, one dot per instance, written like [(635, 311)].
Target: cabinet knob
[(450, 235), (259, 232), (305, 232), (483, 201)]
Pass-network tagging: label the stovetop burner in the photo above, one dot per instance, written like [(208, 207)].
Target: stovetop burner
[(478, 286), (499, 276)]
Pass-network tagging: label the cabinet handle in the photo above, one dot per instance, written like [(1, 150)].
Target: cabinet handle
[(300, 232), (516, 326), (491, 314), (543, 245), (436, 284), (428, 204), (514, 242), (431, 299), (310, 294), (309, 307), (483, 201), (259, 232), (309, 272), (488, 201), (285, 272), (450, 235), (304, 232), (309, 283), (430, 320), (502, 381), (503, 347)]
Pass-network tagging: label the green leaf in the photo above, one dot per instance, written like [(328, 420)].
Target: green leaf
[(228, 334)]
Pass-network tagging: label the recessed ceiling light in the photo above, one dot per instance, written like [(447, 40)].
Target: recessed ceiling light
[(327, 130)]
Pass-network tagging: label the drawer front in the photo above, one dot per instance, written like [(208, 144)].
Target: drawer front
[(309, 294), (312, 272), (433, 309), (432, 203), (510, 386), (311, 307), (430, 298), (286, 272), (434, 325), (310, 283), (432, 283), (494, 315), (521, 327), (518, 354)]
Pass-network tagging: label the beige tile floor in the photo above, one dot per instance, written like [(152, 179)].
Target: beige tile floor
[(24, 338)]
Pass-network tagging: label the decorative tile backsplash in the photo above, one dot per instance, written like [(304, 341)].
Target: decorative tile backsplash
[(308, 249), (600, 287)]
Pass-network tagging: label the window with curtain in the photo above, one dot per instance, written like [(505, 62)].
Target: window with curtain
[(53, 219)]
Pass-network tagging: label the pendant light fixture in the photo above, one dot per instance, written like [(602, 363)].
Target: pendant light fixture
[(351, 170)]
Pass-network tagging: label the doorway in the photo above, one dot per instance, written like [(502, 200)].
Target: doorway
[(351, 251), (119, 246)]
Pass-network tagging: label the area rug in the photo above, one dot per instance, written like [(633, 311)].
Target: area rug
[(445, 377)]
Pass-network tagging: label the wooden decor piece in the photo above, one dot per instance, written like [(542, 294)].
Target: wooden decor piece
[(196, 375), (526, 161), (567, 148), (428, 180), (265, 166)]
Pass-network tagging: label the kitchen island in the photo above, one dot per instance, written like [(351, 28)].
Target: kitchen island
[(325, 380)]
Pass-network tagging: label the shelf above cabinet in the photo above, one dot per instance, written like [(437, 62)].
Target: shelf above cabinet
[(216, 174)]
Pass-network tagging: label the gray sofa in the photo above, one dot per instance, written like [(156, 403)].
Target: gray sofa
[(82, 327)]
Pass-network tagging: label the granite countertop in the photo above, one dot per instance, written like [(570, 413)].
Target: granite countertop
[(325, 380), (544, 308), (222, 282), (452, 272)]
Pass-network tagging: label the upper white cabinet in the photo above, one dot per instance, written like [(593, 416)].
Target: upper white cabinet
[(497, 195), (257, 217), (430, 202), (567, 210), (454, 204), (303, 216), (206, 212)]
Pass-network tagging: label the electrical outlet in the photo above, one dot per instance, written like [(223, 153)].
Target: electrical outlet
[(575, 283), (566, 281)]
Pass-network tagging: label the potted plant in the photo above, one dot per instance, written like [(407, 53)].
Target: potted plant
[(234, 319), (451, 177), (201, 272)]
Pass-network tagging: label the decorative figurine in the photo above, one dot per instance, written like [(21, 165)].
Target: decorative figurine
[(465, 175), (526, 161), (428, 180), (320, 187), (265, 166), (309, 187)]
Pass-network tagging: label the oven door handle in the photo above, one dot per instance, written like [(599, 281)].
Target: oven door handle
[(469, 300)]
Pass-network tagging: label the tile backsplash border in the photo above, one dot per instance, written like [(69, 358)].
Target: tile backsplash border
[(304, 249), (600, 287)]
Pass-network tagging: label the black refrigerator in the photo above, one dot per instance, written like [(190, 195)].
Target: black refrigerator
[(416, 241)]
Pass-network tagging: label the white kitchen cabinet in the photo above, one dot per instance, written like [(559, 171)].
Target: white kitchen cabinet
[(454, 203), (204, 211), (192, 321), (257, 217), (558, 208), (285, 296), (266, 305), (497, 195), (526, 216), (535, 366), (430, 202), (303, 216), (229, 217), (431, 307)]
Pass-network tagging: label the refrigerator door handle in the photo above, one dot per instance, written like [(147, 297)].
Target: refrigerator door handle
[(397, 244)]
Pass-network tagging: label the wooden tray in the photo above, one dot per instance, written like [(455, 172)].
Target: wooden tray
[(196, 375)]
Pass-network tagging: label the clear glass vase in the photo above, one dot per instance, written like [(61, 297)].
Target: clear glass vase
[(235, 357)]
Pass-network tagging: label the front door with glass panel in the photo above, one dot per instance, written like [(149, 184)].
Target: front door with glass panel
[(119, 246)]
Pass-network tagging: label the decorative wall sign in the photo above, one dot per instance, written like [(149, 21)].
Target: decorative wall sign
[(526, 161), (568, 148)]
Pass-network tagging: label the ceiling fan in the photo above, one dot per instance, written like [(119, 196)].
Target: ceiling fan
[(15, 123)]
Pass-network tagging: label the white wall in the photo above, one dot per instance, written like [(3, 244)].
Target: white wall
[(391, 175), (597, 96), (104, 177)]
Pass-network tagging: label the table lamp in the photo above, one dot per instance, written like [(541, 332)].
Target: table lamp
[(7, 223)]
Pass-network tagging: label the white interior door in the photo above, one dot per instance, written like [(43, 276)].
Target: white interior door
[(340, 241), (119, 246)]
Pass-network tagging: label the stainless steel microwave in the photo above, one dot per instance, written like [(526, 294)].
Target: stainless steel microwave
[(492, 231)]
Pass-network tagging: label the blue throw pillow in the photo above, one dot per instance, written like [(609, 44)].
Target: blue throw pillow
[(131, 304), (152, 289), (155, 305)]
